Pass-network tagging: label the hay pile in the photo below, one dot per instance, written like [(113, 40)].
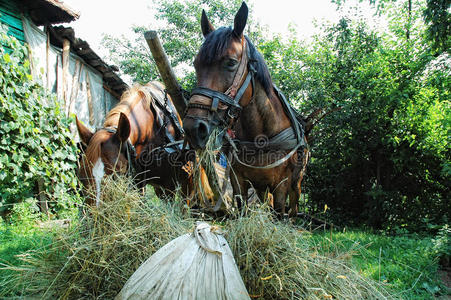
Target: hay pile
[(96, 257), (277, 262)]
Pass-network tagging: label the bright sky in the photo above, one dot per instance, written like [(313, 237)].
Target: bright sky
[(117, 17)]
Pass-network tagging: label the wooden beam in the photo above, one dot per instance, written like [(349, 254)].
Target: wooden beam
[(94, 63), (84, 51), (167, 74), (112, 92), (65, 55), (90, 104), (109, 74)]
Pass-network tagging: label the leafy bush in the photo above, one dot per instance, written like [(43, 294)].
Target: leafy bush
[(35, 141)]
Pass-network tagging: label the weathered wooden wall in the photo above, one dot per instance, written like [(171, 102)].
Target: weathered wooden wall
[(11, 16)]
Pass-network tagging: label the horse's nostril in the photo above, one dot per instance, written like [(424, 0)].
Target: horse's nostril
[(202, 130)]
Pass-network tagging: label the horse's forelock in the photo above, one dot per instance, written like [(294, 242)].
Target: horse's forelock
[(215, 45)]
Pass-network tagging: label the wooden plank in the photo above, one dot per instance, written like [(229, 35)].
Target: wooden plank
[(19, 35), (14, 25), (109, 74), (109, 90), (84, 51), (75, 86), (10, 6), (101, 68), (90, 104), (13, 21), (65, 54), (94, 63)]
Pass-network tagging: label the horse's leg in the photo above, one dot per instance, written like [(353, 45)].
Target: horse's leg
[(240, 190), (295, 190), (294, 194), (280, 197), (261, 195)]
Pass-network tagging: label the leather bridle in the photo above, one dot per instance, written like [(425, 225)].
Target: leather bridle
[(129, 150), (230, 98)]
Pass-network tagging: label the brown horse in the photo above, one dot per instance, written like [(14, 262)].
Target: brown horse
[(235, 96), (132, 132)]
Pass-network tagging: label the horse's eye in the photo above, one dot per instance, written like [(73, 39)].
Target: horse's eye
[(231, 63)]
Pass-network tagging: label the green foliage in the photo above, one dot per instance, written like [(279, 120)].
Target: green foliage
[(180, 34), (441, 244), (405, 263), (438, 17), (381, 159), (35, 141), (18, 236)]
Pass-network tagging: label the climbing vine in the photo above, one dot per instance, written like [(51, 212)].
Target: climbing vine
[(37, 154)]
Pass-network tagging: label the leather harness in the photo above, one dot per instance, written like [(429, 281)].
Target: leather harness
[(291, 138)]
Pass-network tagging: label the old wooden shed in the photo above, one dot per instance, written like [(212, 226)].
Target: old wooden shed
[(63, 63)]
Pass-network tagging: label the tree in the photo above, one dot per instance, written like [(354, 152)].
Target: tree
[(436, 15), (383, 159), (181, 37)]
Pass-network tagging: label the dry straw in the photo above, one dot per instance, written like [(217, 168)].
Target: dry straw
[(95, 257)]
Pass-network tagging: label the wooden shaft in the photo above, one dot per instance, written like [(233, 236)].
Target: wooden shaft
[(167, 74), (65, 62)]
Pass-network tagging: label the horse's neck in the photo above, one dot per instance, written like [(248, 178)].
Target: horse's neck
[(141, 124), (263, 116)]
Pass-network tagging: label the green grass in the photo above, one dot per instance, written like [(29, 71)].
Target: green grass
[(406, 263), (17, 239), (21, 234)]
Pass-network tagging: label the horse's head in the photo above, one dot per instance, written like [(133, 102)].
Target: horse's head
[(225, 68), (106, 152)]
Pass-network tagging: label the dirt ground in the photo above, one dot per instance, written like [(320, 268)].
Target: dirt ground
[(445, 276)]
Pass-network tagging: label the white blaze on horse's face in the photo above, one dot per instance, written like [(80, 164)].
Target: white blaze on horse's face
[(98, 172)]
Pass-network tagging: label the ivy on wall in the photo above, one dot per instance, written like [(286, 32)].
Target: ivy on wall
[(37, 154)]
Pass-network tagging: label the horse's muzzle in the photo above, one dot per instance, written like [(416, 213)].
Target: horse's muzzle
[(197, 132)]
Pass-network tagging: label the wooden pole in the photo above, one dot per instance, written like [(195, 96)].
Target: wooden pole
[(167, 74), (65, 61)]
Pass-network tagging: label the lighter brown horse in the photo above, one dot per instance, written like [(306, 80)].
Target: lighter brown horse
[(131, 129), (236, 96)]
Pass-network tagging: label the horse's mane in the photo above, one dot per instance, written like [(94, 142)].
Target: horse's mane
[(215, 46), (129, 99)]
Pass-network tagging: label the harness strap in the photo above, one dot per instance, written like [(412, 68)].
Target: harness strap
[(167, 108), (215, 94), (232, 90), (129, 148), (270, 166)]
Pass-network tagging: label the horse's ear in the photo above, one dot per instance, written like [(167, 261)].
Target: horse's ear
[(84, 132), (123, 128), (205, 24), (240, 20)]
